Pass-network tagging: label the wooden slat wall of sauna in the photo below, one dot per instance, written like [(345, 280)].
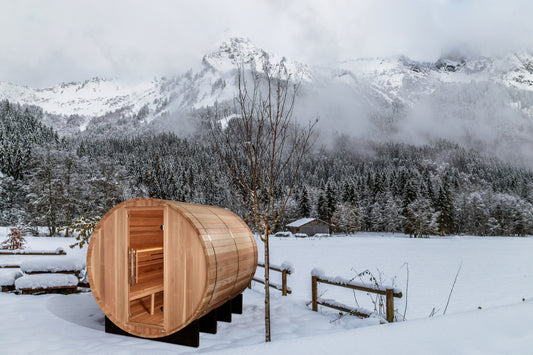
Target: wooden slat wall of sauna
[(235, 252), (121, 265), (185, 272), (95, 268), (247, 249), (109, 255), (191, 212), (145, 228)]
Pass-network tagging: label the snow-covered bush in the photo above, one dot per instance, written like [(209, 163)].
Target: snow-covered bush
[(15, 239), (83, 228)]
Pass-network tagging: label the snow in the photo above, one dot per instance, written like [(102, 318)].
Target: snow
[(343, 281), (54, 265), (237, 51), (8, 276), (36, 251), (502, 331), (283, 234), (318, 272), (94, 97), (45, 281), (286, 265), (497, 273), (9, 264), (352, 309), (300, 222)]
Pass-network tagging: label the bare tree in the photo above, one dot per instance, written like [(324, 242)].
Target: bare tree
[(263, 148)]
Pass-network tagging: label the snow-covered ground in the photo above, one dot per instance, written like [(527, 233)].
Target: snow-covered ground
[(496, 275)]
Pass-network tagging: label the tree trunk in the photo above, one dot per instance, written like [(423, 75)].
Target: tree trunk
[(267, 290)]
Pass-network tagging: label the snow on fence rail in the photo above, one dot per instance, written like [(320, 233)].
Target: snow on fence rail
[(42, 275), (389, 293), (65, 266), (9, 265), (58, 251), (7, 279), (46, 283), (286, 269)]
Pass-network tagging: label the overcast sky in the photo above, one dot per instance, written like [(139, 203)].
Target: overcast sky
[(46, 42)]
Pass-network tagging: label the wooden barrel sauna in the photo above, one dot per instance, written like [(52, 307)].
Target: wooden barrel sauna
[(155, 266)]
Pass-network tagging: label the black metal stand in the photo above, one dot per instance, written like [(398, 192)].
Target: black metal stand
[(236, 304), (190, 335), (224, 312), (208, 323)]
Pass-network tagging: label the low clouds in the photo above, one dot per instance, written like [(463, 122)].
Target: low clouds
[(43, 43)]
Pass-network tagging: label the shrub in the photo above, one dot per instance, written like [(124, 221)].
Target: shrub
[(15, 239)]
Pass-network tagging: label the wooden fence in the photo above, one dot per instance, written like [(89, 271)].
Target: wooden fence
[(387, 292), (10, 284), (284, 272)]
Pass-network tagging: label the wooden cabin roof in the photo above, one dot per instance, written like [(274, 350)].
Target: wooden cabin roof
[(303, 221)]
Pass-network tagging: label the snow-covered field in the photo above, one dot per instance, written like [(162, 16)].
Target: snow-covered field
[(496, 275)]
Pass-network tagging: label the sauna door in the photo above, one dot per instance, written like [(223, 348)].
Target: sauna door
[(145, 266)]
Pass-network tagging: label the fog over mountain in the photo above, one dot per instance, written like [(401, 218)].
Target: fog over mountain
[(479, 102)]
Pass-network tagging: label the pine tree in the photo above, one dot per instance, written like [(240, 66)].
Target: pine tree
[(304, 208), (331, 202), (377, 216), (392, 211), (408, 218), (422, 218), (346, 218), (46, 190), (445, 207), (322, 208)]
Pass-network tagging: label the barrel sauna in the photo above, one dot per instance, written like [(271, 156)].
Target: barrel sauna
[(155, 266)]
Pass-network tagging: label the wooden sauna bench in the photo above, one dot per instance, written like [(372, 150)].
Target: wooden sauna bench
[(147, 276)]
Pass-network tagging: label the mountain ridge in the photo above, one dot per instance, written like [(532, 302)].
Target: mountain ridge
[(477, 97), (98, 96)]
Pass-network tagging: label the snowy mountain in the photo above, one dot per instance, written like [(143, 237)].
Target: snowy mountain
[(393, 96), (149, 100)]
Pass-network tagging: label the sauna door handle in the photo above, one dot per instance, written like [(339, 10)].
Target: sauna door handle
[(132, 270)]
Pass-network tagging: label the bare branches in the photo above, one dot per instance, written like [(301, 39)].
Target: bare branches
[(261, 144), (263, 147)]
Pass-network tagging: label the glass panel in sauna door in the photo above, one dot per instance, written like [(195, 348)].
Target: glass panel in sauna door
[(145, 266)]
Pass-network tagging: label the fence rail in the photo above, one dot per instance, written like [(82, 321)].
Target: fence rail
[(389, 294), (284, 272), (58, 251)]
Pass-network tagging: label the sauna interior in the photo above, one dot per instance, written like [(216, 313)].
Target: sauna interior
[(146, 267)]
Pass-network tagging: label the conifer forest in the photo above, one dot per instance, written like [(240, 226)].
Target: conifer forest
[(437, 188)]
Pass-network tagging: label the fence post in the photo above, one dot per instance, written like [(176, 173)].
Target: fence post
[(314, 283), (284, 282), (390, 305)]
